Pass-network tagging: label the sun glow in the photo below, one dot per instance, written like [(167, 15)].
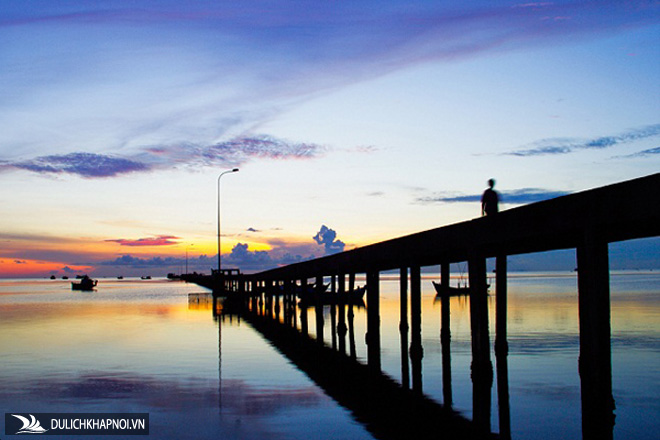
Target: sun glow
[(33, 268)]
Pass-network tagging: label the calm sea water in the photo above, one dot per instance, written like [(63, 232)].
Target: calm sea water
[(142, 346)]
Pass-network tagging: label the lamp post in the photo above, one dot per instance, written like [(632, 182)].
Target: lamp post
[(234, 170)]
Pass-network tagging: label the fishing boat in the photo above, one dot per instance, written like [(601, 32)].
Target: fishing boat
[(308, 290), (450, 290), (86, 283)]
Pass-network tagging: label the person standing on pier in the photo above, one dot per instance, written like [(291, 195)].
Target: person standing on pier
[(489, 200)]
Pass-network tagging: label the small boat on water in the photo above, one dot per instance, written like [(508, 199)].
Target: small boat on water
[(452, 290), (86, 283), (148, 277)]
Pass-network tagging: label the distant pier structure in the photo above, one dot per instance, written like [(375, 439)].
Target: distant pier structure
[(586, 221)]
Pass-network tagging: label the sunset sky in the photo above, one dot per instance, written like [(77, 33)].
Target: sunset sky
[(351, 123)]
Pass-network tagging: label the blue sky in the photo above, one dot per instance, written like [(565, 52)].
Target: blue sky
[(373, 119)]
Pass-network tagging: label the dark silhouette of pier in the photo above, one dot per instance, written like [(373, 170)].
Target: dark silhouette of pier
[(587, 221), (387, 409)]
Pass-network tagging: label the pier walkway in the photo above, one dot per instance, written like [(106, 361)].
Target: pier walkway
[(587, 221)]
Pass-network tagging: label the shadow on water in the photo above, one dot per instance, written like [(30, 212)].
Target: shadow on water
[(384, 407)]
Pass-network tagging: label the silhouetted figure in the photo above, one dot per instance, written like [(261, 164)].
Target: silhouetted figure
[(489, 200)]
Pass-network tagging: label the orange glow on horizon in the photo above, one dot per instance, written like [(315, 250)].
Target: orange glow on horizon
[(33, 268)]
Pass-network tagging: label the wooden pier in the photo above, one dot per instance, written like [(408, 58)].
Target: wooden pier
[(587, 221)]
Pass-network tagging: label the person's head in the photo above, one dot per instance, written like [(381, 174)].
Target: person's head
[(491, 183)]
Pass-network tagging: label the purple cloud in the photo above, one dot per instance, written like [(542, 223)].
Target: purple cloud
[(567, 145), (643, 153), (204, 69), (137, 262), (161, 240), (82, 164), (328, 238), (239, 150), (241, 256), (234, 152)]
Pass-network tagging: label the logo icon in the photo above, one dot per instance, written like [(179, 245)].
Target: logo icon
[(30, 426)]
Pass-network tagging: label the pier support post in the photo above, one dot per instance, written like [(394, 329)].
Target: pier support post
[(319, 309), (595, 363), (294, 306), (403, 326), (502, 347), (373, 320), (254, 303), (342, 329), (262, 297), (286, 304), (269, 298), (445, 337), (276, 298), (333, 325), (304, 322), (416, 350), (482, 368), (351, 315), (333, 311)]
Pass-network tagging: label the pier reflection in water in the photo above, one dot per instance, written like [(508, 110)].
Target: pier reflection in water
[(143, 347), (422, 357)]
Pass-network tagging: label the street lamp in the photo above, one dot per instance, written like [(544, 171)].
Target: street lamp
[(221, 174)]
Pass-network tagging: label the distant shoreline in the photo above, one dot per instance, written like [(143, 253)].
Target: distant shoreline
[(390, 276)]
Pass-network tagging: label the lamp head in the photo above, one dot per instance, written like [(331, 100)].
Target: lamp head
[(234, 170)]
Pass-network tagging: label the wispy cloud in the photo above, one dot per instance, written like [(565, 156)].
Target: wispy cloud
[(161, 240), (137, 262), (82, 164), (568, 145), (515, 197), (643, 153), (231, 153), (236, 151), (195, 73)]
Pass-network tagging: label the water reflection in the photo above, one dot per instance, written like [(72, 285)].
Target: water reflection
[(158, 351), (388, 410), (152, 352), (543, 334)]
